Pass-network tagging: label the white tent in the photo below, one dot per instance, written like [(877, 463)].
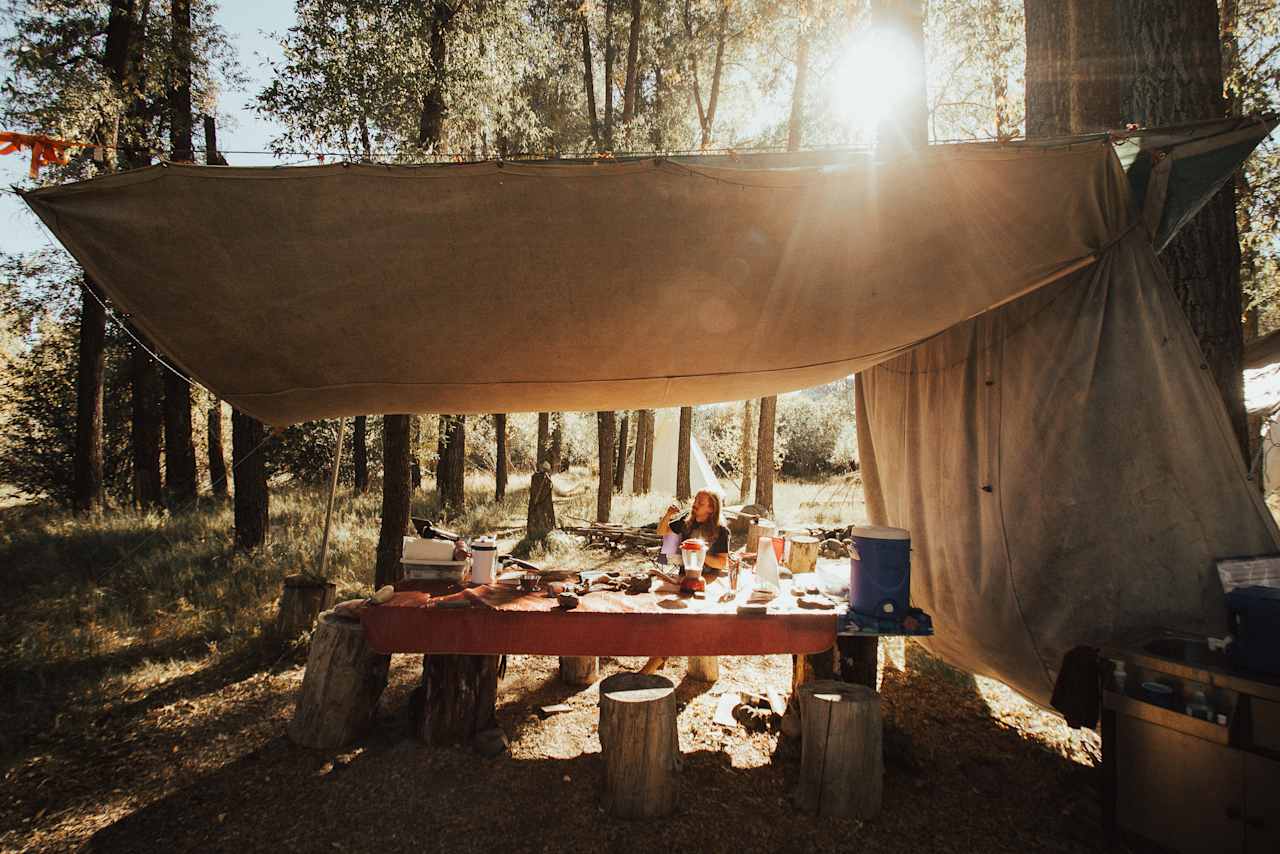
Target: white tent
[(666, 440)]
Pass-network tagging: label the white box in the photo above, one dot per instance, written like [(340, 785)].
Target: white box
[(419, 550)]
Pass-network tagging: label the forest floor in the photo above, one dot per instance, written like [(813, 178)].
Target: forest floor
[(144, 707)]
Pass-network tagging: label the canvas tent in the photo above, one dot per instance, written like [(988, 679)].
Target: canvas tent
[(666, 449), (1024, 357)]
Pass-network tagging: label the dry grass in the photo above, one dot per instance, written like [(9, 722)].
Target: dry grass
[(146, 707)]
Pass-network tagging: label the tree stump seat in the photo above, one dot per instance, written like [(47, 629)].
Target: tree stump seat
[(842, 760), (579, 670), (340, 689), (640, 744)]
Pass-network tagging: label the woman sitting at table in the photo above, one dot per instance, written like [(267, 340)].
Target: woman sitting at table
[(702, 521)]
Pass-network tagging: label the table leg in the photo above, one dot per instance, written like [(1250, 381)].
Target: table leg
[(859, 659)]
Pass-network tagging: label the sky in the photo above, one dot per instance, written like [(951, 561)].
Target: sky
[(248, 24)]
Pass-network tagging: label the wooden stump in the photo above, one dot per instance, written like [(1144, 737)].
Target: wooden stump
[(579, 670), (759, 528), (804, 554), (842, 760), (457, 700), (542, 511), (341, 686), (704, 668), (303, 599), (640, 745)]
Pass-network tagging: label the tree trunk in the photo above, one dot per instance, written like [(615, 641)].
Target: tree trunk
[(683, 451), (637, 466), (434, 110), (608, 74), (249, 470), (633, 58), (544, 438), (604, 494), (451, 469), (905, 125), (1093, 67), (146, 428), (217, 456), (764, 452), (579, 670), (842, 762), (459, 698), (180, 129), (340, 687), (395, 498), (746, 457), (302, 601), (620, 469), (360, 454), (796, 121), (649, 417), (555, 453), (87, 476), (640, 744), (588, 77), (500, 461), (415, 442), (541, 518), (704, 668), (180, 484)]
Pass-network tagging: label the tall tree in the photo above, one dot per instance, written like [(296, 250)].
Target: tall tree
[(633, 57), (904, 127), (637, 468), (217, 453), (544, 438), (764, 452), (500, 456), (555, 451), (249, 469), (746, 457), (395, 498), (588, 76), (649, 418), (451, 469), (609, 52), (620, 469), (181, 483), (91, 369), (707, 113), (684, 448), (605, 421), (360, 454), (1093, 66)]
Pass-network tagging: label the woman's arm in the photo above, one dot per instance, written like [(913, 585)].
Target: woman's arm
[(664, 524)]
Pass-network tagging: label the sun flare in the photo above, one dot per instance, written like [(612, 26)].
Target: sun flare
[(870, 80)]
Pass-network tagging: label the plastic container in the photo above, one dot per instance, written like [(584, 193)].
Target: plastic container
[(833, 576), (424, 550), (880, 572), (693, 553), (1118, 676), (767, 566), (1158, 694), (1199, 707), (484, 556), (1255, 623)]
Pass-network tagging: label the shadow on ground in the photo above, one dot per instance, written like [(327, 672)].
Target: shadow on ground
[(956, 780)]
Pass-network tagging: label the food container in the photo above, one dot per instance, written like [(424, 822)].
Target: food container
[(693, 553), (1158, 694), (419, 550)]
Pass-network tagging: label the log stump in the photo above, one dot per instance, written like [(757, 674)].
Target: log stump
[(842, 760), (759, 528), (804, 554), (542, 511), (303, 599), (640, 745), (341, 686), (579, 670), (704, 668), (457, 700)]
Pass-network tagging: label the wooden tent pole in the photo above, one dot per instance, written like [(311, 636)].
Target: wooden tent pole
[(333, 492)]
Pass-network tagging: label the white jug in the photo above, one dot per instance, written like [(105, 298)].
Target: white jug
[(767, 566)]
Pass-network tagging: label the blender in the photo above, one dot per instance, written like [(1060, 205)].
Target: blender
[(694, 554)]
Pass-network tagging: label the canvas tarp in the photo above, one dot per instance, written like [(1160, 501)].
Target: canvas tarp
[(303, 293), (1061, 459)]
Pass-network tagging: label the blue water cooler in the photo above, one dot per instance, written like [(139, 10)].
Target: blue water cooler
[(880, 576)]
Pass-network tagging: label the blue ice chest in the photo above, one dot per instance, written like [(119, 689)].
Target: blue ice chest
[(880, 572), (1254, 614)]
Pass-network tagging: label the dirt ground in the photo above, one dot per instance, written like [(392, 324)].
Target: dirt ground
[(201, 763)]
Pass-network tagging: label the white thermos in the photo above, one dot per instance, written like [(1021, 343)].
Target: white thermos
[(484, 554)]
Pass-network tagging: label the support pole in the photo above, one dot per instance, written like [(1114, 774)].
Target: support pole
[(333, 492)]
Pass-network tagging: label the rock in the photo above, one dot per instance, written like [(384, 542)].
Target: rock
[(491, 743)]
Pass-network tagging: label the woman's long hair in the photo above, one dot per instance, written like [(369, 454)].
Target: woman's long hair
[(709, 529)]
